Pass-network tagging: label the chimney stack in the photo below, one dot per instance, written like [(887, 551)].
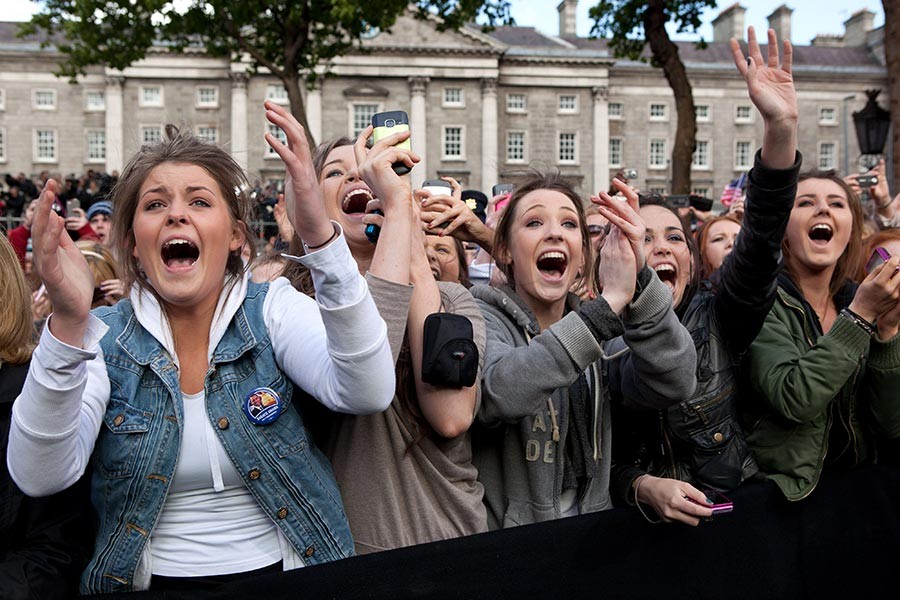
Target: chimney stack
[(857, 26), (729, 24), (780, 21), (567, 21)]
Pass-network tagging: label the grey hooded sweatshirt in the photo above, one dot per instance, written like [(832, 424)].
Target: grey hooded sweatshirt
[(520, 438)]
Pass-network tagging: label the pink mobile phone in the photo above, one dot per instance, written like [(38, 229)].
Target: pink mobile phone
[(720, 502), (879, 256)]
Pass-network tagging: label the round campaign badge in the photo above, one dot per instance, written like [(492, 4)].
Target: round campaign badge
[(263, 406)]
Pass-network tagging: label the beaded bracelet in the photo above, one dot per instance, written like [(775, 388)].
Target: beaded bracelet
[(859, 321)]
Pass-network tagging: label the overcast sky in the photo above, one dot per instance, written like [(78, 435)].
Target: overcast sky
[(810, 17)]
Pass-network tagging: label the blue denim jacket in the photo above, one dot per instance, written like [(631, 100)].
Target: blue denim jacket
[(136, 451)]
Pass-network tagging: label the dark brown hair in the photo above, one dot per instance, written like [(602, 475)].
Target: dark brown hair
[(178, 146), (703, 234), (690, 240), (848, 263)]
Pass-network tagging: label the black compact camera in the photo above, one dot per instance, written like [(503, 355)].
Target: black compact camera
[(867, 181), (686, 200)]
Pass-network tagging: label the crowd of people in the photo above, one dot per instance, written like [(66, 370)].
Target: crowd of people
[(184, 407)]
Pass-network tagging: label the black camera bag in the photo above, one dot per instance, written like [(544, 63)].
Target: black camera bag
[(449, 356)]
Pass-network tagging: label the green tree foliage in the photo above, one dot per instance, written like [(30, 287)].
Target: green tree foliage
[(290, 38), (629, 26)]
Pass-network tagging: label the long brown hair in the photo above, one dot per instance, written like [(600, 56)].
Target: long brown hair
[(702, 239), (16, 325), (177, 146), (848, 263)]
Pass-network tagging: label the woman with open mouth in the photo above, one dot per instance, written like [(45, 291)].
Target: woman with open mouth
[(182, 396), (542, 444), (825, 369), (406, 474), (670, 458)]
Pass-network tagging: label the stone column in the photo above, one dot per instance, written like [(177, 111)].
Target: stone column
[(115, 122), (418, 124), (239, 150), (600, 178), (314, 110), (488, 134)]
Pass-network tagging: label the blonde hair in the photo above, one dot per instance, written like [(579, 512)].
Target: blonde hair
[(16, 324)]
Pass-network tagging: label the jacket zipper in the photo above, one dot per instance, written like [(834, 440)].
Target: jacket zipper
[(598, 453)]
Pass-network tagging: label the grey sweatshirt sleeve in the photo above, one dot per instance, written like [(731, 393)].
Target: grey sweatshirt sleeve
[(520, 375), (660, 368), (392, 300)]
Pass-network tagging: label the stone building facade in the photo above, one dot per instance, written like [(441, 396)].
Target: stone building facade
[(483, 107)]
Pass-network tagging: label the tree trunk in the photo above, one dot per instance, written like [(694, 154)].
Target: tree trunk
[(892, 58), (665, 53), (298, 108)]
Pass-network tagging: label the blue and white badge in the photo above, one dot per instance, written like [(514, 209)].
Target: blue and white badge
[(263, 406)]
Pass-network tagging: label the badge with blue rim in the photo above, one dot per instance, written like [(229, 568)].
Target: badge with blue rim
[(262, 406)]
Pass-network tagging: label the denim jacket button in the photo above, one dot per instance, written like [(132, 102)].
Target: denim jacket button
[(282, 513), (309, 551), (119, 420), (254, 474), (223, 423)]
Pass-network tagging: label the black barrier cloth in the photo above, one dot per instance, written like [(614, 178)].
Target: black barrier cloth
[(841, 542)]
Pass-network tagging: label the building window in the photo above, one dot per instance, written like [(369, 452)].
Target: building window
[(151, 95), (45, 145), (454, 142), (615, 152), (94, 100), (361, 117), (277, 93), (208, 133), (568, 104), (743, 113), (2, 99), (703, 112), (701, 155), (516, 103), (703, 192), (742, 155), (658, 189), (207, 97), (453, 97), (2, 144), (615, 110), (96, 145), (658, 111), (827, 115), (276, 131), (827, 155), (515, 146), (658, 155), (151, 134), (568, 148), (45, 99)]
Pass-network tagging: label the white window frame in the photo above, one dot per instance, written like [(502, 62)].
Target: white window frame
[(740, 167), (700, 191), (834, 155), (559, 158), (460, 103), (708, 117), (2, 99), (658, 118), (198, 100), (740, 119), (88, 107), (277, 98), (34, 99), (142, 99), (665, 154), (662, 190), (88, 159), (516, 109), (621, 141), (146, 127), (34, 146), (709, 155), (621, 113), (2, 144), (462, 143), (567, 111), (352, 133), (215, 138), (833, 122), (524, 159), (278, 133)]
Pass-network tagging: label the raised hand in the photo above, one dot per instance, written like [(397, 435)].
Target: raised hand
[(305, 207), (879, 292), (63, 270), (771, 88), (625, 216), (616, 274), (375, 166)]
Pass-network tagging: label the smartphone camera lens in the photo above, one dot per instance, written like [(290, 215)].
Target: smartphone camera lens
[(389, 122)]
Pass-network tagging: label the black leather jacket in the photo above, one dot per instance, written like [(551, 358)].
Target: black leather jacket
[(700, 440), (44, 542)]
